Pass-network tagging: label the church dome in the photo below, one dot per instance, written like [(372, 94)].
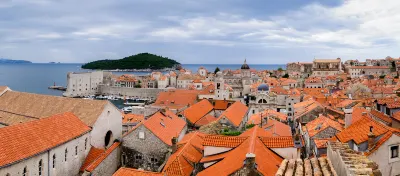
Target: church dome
[(263, 87), (245, 66)]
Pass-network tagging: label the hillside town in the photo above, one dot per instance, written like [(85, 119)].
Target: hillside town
[(326, 117)]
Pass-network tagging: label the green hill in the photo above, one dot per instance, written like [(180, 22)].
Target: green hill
[(139, 61)]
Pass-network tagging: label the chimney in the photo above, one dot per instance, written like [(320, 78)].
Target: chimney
[(364, 113), (174, 147), (250, 164), (371, 138)]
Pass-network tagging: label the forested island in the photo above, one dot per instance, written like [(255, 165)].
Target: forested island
[(142, 61), (10, 61)]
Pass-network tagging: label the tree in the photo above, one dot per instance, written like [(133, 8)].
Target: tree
[(138, 86), (280, 69), (352, 63), (285, 76), (216, 70)]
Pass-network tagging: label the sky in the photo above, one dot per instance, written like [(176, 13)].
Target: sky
[(199, 31)]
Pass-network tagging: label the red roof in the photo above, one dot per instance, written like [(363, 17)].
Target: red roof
[(278, 142), (396, 115), (28, 139), (177, 98), (235, 113), (267, 161), (223, 141), (206, 120), (93, 154), (195, 112), (165, 126), (123, 171), (381, 116), (102, 157), (320, 124), (181, 162), (221, 104)]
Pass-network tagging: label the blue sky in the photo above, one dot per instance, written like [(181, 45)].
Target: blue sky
[(199, 31)]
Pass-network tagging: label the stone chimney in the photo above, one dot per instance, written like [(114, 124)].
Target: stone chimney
[(371, 138), (174, 147), (250, 164), (348, 117)]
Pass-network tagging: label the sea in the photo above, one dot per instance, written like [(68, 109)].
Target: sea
[(37, 77)]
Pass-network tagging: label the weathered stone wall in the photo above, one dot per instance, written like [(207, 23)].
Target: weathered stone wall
[(140, 153), (109, 165), (149, 93), (327, 133)]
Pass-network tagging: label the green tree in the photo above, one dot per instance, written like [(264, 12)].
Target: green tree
[(285, 76), (216, 70), (280, 69)]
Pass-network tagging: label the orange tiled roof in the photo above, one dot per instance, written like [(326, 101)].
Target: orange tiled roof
[(93, 154), (279, 90), (266, 160), (195, 112), (165, 126), (123, 171), (277, 128), (396, 116), (102, 157), (381, 116), (379, 143), (132, 118), (235, 113), (278, 142), (17, 107), (256, 118), (221, 104), (216, 157), (358, 114), (178, 98), (321, 143), (358, 131), (181, 162), (206, 120), (345, 103), (313, 80), (223, 141), (22, 141), (320, 124)]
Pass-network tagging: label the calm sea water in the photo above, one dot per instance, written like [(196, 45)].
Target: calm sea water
[(36, 78)]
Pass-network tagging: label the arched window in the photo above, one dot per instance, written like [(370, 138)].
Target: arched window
[(25, 172), (40, 167), (66, 153), (54, 160), (85, 143), (108, 137)]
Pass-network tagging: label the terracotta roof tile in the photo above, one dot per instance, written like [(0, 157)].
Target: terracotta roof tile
[(358, 131), (216, 157), (266, 160), (358, 113), (396, 116), (278, 142), (320, 124), (181, 162), (123, 171), (102, 157), (235, 113), (221, 104), (277, 128), (93, 154), (195, 112), (177, 98), (381, 116), (17, 107), (132, 118), (165, 126), (28, 139), (223, 141), (379, 143), (206, 120), (256, 118)]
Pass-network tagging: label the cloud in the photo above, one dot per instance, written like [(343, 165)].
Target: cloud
[(190, 30)]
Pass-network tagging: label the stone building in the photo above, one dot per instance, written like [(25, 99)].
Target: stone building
[(357, 71), (319, 128), (84, 84), (101, 115), (326, 67), (148, 145), (379, 143), (55, 145), (235, 117), (303, 68), (102, 162), (313, 82)]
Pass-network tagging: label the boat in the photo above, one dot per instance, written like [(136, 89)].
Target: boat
[(133, 104), (127, 109)]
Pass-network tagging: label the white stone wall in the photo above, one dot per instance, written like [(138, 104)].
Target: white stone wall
[(149, 93), (109, 120), (381, 157), (109, 165), (62, 167), (287, 153), (83, 84)]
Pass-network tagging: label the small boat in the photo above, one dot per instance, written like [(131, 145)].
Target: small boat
[(127, 109), (133, 104)]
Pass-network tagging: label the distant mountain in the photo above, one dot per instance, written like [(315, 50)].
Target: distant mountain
[(10, 61), (139, 61)]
